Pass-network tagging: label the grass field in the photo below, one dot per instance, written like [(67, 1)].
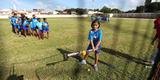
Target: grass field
[(126, 49)]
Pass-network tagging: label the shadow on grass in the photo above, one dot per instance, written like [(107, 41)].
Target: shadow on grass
[(126, 56), (78, 67), (102, 62), (112, 68), (36, 60), (65, 52), (13, 76), (65, 58)]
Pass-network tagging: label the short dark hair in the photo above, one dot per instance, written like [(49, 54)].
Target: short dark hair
[(27, 18), (22, 15), (44, 19), (14, 13), (95, 21)]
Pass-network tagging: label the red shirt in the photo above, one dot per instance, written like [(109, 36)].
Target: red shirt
[(157, 27), (157, 23)]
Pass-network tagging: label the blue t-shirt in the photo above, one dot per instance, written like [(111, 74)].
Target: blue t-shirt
[(34, 22), (31, 25), (45, 25), (39, 25), (95, 36), (19, 22), (14, 20), (25, 23), (10, 19)]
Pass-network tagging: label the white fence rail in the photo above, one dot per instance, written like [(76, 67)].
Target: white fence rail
[(137, 15)]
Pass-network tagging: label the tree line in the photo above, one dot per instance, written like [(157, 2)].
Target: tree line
[(152, 7)]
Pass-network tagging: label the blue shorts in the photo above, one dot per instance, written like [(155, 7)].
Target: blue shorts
[(19, 28), (15, 26), (45, 29), (25, 28), (41, 31), (90, 47), (32, 29)]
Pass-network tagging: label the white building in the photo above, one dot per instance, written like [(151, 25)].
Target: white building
[(5, 11), (55, 12), (94, 12)]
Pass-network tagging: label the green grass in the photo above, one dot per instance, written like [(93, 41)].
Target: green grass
[(124, 41)]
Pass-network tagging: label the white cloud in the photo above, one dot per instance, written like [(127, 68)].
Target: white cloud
[(136, 2), (41, 5), (155, 0), (124, 4), (132, 4), (59, 4), (16, 2), (59, 7), (112, 5)]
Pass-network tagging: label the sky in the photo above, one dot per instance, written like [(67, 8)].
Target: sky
[(63, 4), (155, 0)]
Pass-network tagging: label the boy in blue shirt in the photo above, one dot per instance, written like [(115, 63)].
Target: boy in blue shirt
[(40, 28), (45, 27), (32, 28), (33, 25), (95, 38), (14, 20), (11, 19), (26, 26), (19, 24)]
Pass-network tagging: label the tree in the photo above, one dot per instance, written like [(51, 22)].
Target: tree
[(81, 11), (153, 7), (116, 10), (140, 9), (131, 11), (96, 10), (69, 11), (105, 10)]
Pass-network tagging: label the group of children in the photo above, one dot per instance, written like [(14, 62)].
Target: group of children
[(30, 26), (100, 18)]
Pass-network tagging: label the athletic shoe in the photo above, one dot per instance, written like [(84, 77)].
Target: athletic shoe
[(83, 62), (95, 67)]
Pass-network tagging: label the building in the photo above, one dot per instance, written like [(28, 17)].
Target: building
[(5, 11), (38, 10), (94, 12)]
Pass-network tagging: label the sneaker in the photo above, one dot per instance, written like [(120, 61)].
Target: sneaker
[(148, 67), (152, 62), (95, 67), (83, 62)]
